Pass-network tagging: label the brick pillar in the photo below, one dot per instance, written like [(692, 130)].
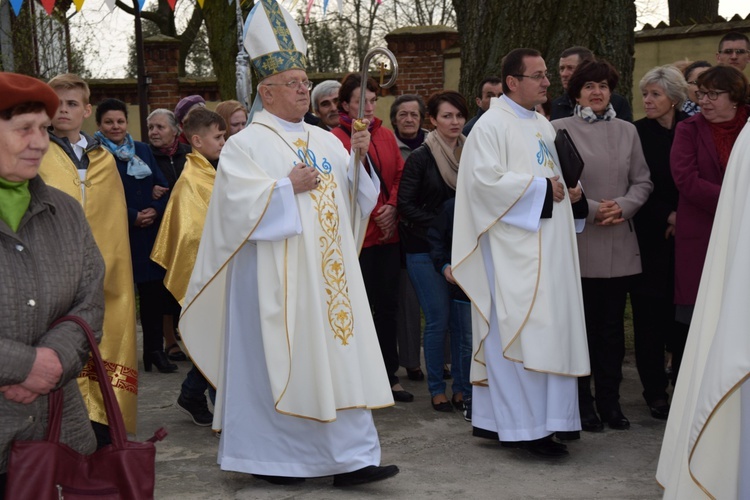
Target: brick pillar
[(420, 52), (162, 55)]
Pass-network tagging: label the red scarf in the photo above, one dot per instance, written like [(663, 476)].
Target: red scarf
[(725, 134), (170, 150)]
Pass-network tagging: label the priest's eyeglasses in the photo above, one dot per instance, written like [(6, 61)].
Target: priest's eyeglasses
[(729, 52), (711, 94), (294, 84), (536, 76)]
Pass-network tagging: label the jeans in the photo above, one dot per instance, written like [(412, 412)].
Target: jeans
[(194, 386), (434, 298), (460, 328)]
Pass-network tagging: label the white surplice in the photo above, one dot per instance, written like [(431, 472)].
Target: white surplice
[(277, 314), (522, 276), (705, 449)]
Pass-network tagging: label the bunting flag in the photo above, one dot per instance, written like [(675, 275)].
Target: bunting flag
[(173, 2), (78, 4), (309, 6), (200, 3), (110, 4), (141, 3), (16, 4), (49, 6)]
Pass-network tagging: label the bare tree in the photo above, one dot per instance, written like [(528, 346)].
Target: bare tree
[(692, 11)]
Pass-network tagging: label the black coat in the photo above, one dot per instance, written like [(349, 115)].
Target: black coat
[(171, 166), (421, 194), (657, 252)]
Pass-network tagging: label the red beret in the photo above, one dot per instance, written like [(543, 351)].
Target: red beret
[(17, 89)]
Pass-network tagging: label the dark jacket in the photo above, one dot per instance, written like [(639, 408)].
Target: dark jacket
[(64, 143), (138, 196), (171, 166), (562, 107), (420, 196), (470, 124), (440, 239), (51, 267), (657, 252)]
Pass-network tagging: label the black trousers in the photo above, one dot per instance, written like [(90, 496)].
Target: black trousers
[(655, 328), (381, 266), (155, 300), (604, 308)]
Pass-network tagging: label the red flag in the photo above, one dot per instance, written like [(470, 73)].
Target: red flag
[(49, 6)]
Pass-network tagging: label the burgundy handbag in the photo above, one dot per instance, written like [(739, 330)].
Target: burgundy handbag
[(50, 469)]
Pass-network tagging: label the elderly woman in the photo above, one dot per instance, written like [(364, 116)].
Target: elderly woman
[(170, 155), (699, 157), (235, 116), (616, 182), (429, 180), (691, 73), (379, 258), (664, 90), (146, 198), (51, 268), (407, 116)]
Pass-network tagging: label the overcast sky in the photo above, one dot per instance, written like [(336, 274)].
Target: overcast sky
[(106, 34)]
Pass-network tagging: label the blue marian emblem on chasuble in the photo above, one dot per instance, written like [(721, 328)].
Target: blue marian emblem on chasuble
[(340, 314), (543, 156)]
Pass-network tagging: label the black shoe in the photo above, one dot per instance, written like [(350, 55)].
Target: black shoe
[(197, 409), (590, 422), (282, 480), (445, 406), (546, 448), (174, 353), (484, 433), (458, 404), (402, 396), (659, 409), (415, 374), (568, 435), (368, 474), (158, 359), (615, 419)]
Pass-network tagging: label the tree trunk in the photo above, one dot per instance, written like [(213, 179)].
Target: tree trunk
[(687, 12), (221, 25), (489, 30)]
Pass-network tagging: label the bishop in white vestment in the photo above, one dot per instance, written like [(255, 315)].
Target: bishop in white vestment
[(276, 313), (515, 256), (706, 447)]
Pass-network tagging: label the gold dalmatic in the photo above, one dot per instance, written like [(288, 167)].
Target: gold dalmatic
[(103, 200)]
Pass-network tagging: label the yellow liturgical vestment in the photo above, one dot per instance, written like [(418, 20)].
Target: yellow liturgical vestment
[(103, 200), (180, 231)]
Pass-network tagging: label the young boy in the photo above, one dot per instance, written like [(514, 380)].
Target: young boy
[(78, 165), (179, 235)]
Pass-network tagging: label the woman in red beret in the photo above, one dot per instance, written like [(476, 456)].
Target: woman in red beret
[(51, 267)]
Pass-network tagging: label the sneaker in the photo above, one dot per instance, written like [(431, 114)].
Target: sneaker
[(467, 409), (197, 409)]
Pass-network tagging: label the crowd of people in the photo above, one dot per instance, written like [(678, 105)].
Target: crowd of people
[(291, 252)]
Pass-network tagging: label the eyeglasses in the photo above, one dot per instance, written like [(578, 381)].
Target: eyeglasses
[(294, 84), (711, 94), (694, 82), (536, 76), (729, 52)]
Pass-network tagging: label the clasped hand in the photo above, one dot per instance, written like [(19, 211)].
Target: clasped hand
[(44, 375)]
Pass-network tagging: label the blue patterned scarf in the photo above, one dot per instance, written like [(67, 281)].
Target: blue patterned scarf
[(126, 152)]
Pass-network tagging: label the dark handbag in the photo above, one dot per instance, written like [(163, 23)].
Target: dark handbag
[(571, 162), (50, 469)]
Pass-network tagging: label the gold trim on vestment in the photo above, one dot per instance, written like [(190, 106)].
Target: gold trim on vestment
[(703, 428)]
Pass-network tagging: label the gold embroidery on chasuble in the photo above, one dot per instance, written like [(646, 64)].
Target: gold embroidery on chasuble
[(340, 314)]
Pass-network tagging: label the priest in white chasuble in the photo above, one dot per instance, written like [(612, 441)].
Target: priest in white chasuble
[(276, 315), (706, 447), (515, 256)]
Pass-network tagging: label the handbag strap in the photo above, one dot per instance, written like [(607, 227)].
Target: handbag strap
[(114, 415)]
